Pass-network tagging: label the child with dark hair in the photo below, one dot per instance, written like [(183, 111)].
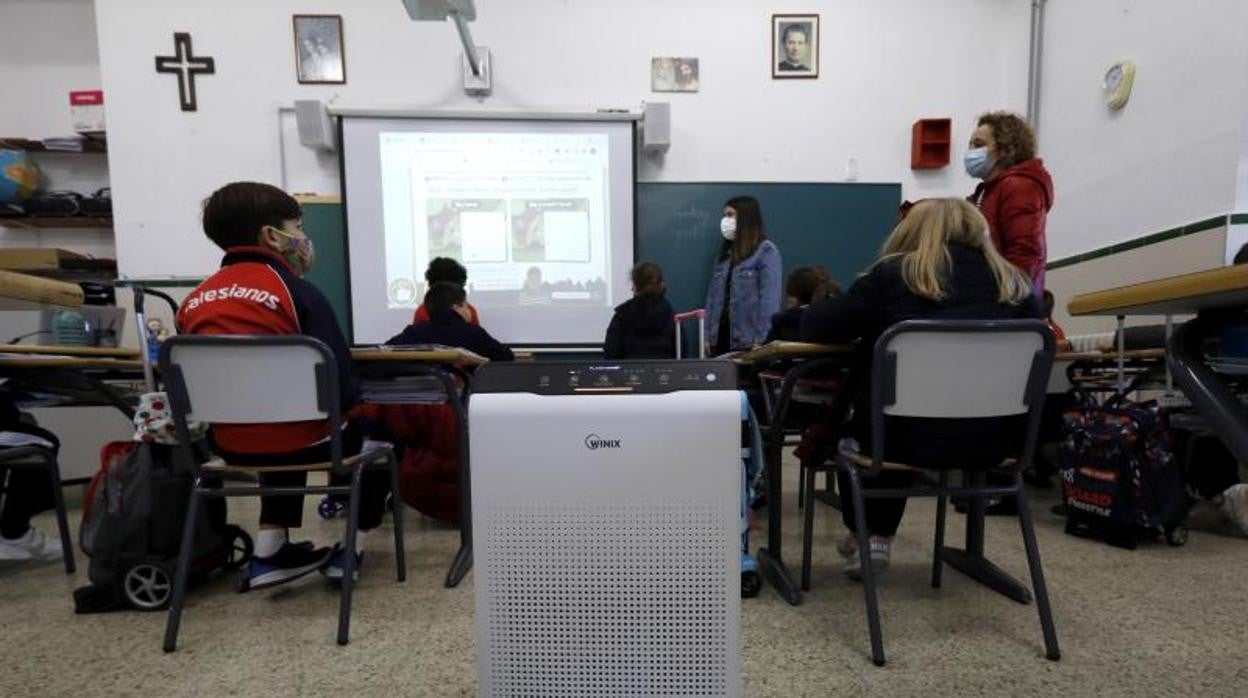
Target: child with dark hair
[(428, 434), (800, 289), (260, 290), (643, 327), (450, 324), (446, 269)]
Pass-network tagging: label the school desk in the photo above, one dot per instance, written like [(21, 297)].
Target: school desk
[(408, 375), (1218, 297)]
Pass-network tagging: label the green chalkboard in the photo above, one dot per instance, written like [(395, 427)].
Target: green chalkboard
[(322, 221), (840, 226)]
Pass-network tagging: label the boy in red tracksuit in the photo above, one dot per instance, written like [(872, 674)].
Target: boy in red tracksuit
[(445, 269), (259, 290)]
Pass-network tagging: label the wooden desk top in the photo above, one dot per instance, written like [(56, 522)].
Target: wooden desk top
[(432, 355), (790, 350), (110, 352), (1110, 357), (26, 292), (1224, 287), (71, 363)]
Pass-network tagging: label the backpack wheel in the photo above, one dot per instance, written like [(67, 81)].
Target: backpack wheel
[(751, 584), (148, 584), (329, 508), (240, 548), (1176, 535)]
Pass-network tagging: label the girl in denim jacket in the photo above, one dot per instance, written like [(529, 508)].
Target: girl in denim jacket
[(745, 283)]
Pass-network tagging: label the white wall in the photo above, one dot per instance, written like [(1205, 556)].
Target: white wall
[(884, 64), (47, 49), (1170, 157)]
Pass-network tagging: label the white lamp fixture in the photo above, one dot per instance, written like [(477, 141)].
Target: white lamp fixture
[(477, 80)]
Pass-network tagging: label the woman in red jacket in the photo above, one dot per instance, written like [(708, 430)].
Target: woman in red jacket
[(1016, 192)]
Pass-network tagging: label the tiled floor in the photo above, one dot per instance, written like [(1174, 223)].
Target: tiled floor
[(1155, 621)]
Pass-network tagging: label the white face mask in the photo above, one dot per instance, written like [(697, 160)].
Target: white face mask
[(728, 227)]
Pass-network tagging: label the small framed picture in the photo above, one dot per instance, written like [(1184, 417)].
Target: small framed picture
[(318, 50), (673, 74), (794, 46)]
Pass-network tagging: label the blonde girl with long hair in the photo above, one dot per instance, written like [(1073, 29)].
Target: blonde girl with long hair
[(938, 263)]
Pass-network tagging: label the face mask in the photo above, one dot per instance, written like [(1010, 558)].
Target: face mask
[(728, 227), (977, 163), (298, 251)]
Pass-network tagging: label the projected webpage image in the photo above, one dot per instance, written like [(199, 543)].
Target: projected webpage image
[(526, 214)]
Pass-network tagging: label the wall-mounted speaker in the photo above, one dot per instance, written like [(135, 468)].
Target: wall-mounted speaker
[(656, 127), (316, 129)]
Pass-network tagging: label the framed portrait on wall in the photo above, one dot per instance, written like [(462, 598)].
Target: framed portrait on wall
[(670, 74), (794, 46), (318, 50)]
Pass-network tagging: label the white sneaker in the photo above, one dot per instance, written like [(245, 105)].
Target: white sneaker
[(1235, 505), (33, 545), (881, 548)]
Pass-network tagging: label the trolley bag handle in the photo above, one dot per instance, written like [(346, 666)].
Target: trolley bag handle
[(679, 318)]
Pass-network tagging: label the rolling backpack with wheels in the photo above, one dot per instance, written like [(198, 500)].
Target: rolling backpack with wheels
[(132, 520), (1120, 479)]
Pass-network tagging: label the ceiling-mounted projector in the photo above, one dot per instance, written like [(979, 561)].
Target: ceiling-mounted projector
[(477, 69), (439, 10)]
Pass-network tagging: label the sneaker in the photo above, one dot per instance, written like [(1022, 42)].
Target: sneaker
[(1235, 506), (32, 545), (333, 568), (292, 561), (848, 547), (881, 548)]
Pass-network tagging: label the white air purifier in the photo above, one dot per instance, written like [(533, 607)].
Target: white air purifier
[(606, 509)]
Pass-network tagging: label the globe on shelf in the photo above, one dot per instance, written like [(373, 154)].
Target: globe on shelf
[(20, 177)]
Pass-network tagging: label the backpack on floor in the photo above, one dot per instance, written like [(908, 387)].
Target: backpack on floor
[(1120, 478), (132, 519)]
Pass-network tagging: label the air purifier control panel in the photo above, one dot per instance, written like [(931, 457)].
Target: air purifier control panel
[(606, 377)]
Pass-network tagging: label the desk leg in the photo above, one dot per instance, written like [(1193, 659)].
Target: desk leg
[(971, 561), (460, 566), (1209, 394), (771, 558), (463, 557)]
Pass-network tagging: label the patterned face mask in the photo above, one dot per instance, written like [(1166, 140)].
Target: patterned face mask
[(298, 251)]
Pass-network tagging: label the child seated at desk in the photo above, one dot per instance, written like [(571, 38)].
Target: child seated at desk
[(644, 326), (446, 269), (799, 290), (266, 255), (938, 263), (450, 323), (26, 491), (427, 435)]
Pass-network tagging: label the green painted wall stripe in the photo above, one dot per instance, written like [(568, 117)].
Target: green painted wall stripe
[(1151, 239)]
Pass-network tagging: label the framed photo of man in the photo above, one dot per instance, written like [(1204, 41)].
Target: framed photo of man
[(318, 49), (794, 46), (671, 74)]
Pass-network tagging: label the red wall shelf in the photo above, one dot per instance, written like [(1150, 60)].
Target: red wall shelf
[(930, 141)]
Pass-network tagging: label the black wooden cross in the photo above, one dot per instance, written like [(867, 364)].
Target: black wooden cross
[(186, 67)]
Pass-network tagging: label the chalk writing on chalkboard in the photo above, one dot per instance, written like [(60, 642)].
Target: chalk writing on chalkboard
[(692, 222)]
